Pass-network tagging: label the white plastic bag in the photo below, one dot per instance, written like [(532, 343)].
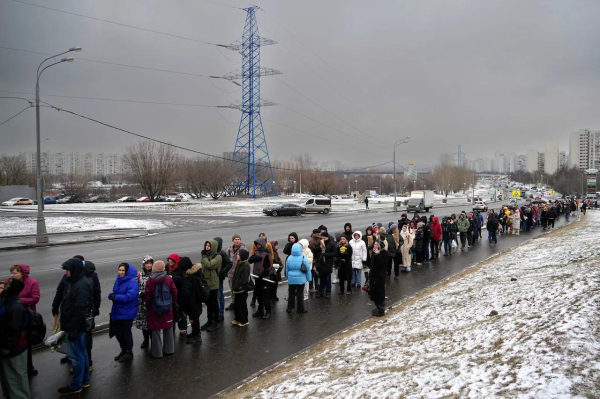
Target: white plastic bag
[(56, 340)]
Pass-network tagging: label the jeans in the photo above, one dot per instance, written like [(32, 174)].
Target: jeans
[(295, 294), (79, 361), (325, 280), (122, 330), (356, 276), (448, 246), (492, 236), (567, 216), (221, 299)]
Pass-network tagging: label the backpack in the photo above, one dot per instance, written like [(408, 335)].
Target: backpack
[(163, 301), (36, 328), (204, 291)]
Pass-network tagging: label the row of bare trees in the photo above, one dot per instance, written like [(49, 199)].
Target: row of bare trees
[(13, 172)]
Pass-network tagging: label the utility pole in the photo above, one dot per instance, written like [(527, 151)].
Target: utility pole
[(396, 144)]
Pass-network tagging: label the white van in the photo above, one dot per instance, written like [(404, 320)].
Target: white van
[(318, 205)]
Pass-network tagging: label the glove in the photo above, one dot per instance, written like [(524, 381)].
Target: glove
[(71, 336), (96, 312), (111, 296)]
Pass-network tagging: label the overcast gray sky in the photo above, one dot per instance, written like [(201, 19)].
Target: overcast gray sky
[(490, 75)]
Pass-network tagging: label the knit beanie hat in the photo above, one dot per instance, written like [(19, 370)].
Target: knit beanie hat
[(324, 234), (321, 227), (158, 266), (244, 254), (379, 225), (236, 236)]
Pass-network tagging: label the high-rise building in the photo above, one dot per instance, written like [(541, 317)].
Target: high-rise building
[(531, 163), (62, 163), (562, 159), (584, 149), (551, 157), (521, 162), (505, 162), (541, 162)]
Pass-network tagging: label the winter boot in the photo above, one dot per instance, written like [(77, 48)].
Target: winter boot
[(145, 344), (120, 355), (267, 316), (213, 327), (127, 357), (253, 302), (205, 326), (319, 294), (258, 313), (193, 339)]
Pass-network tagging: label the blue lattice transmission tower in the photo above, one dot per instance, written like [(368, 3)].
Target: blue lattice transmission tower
[(250, 161)]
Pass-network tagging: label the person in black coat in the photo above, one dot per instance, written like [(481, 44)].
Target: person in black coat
[(226, 266), (377, 278), (90, 273), (492, 228), (190, 297), (343, 262), (325, 266), (75, 308), (347, 232)]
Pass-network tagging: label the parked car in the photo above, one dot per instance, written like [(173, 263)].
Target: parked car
[(318, 205), (97, 198), (48, 201), (171, 198), (18, 201), (480, 206), (126, 199), (143, 199), (182, 198), (284, 209), (63, 200)]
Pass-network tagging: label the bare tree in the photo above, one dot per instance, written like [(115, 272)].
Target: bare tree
[(152, 166), (13, 171), (75, 187), (218, 177), (318, 182), (194, 175)]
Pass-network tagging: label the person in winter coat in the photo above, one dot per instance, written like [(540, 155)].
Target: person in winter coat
[(240, 278), (141, 322), (292, 239), (447, 236), (92, 276), (393, 239), (232, 253), (492, 228), (343, 261), (407, 244), (315, 247), (544, 217), (226, 266), (296, 278), (347, 231), (211, 268), (325, 266), (75, 307), (177, 275), (436, 237), (13, 340), (261, 267), (418, 244), (426, 238), (160, 325), (551, 216), (360, 255), (124, 309), (276, 272), (29, 296), (307, 253), (269, 250), (476, 227), (463, 227), (190, 297), (378, 276)]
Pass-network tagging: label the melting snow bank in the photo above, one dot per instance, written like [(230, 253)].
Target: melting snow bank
[(11, 226), (476, 335)]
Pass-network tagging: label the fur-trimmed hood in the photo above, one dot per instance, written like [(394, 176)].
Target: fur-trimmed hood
[(194, 269)]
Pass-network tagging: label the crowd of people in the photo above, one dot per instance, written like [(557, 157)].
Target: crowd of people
[(162, 298)]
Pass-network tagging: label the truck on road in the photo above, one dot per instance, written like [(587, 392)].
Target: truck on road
[(420, 201)]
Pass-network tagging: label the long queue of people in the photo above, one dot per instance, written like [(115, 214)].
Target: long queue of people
[(163, 297)]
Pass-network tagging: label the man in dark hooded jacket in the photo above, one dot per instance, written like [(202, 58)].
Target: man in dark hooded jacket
[(226, 266), (75, 308), (261, 266), (92, 276), (13, 341), (325, 266), (348, 231), (190, 297)]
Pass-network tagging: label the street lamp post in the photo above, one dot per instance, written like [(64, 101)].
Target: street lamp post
[(42, 234), (402, 141)]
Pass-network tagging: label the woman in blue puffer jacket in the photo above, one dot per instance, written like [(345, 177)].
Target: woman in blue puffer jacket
[(124, 309), (296, 278)]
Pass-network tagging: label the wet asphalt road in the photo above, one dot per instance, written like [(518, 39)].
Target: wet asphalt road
[(231, 354)]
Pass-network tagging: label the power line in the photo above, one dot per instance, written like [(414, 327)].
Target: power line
[(221, 4), (117, 23), (323, 108), (14, 116), (152, 139), (18, 98), (123, 65)]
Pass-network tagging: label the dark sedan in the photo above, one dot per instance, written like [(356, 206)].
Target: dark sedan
[(284, 209)]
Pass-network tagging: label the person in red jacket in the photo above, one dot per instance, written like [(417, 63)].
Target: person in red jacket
[(29, 296), (436, 237), (160, 325)]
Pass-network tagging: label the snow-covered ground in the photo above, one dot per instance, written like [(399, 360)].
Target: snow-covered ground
[(11, 226), (222, 207), (477, 335)]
